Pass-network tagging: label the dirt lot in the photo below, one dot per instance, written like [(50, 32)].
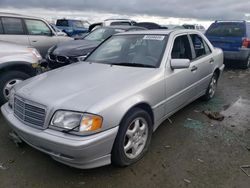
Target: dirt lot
[(193, 151)]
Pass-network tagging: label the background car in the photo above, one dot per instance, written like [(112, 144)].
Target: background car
[(73, 27), (150, 25), (172, 26), (112, 22), (195, 26), (233, 38), (17, 63), (74, 51), (28, 31), (105, 110)]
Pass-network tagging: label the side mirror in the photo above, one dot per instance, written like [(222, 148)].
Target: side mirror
[(180, 63)]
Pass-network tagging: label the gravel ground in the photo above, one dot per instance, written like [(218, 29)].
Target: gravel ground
[(192, 151)]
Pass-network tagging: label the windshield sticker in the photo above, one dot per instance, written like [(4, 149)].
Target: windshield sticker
[(154, 37), (119, 30)]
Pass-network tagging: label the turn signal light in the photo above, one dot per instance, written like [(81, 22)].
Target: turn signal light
[(245, 43)]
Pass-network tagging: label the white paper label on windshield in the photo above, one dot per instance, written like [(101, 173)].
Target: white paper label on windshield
[(154, 37), (119, 30)]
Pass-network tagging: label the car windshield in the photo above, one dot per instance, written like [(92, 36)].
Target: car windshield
[(102, 34), (226, 29), (131, 50)]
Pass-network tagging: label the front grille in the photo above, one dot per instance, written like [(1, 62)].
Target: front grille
[(28, 113)]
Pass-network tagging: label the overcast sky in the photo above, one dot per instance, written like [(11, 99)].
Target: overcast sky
[(180, 9)]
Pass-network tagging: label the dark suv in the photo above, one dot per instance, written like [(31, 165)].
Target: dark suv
[(233, 37)]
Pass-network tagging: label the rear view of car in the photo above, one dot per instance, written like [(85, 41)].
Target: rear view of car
[(233, 38)]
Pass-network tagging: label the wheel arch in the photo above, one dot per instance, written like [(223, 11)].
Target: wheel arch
[(218, 72), (142, 105), (21, 66)]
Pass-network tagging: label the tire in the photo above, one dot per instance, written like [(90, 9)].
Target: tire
[(11, 78), (139, 141), (246, 63), (210, 93)]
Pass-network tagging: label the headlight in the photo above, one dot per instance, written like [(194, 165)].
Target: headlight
[(81, 58), (76, 121), (35, 53)]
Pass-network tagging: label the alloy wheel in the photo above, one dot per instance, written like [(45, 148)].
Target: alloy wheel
[(135, 138)]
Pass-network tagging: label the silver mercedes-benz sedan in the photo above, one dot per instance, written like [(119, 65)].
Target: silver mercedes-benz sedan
[(104, 110)]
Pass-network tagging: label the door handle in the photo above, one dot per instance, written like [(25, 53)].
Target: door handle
[(34, 40), (194, 68), (211, 61)]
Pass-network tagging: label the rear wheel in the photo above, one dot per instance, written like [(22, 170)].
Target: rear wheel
[(246, 63), (7, 81), (133, 138), (210, 93)]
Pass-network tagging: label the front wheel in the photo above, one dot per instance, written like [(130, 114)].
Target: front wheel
[(133, 138), (7, 81), (210, 93)]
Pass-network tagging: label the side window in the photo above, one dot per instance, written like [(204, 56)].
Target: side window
[(207, 48), (13, 26), (181, 48), (37, 27), (200, 46), (1, 27)]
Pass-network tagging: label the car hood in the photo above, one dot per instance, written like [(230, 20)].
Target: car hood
[(75, 47), (80, 86)]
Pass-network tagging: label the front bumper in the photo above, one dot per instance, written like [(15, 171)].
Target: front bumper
[(79, 152), (241, 55)]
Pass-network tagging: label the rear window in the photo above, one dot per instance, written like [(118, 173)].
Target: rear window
[(80, 24), (63, 23), (189, 26), (226, 29), (13, 26), (120, 23)]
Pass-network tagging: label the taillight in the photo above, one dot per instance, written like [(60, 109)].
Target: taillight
[(245, 43)]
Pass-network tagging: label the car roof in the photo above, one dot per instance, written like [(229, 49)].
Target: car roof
[(160, 32), (14, 15), (124, 27)]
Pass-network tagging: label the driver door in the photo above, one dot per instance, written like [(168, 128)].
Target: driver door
[(180, 82)]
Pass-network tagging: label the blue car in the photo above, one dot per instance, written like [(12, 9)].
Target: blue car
[(233, 38), (73, 27)]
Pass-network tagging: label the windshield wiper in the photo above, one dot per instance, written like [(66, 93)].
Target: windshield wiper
[(133, 65)]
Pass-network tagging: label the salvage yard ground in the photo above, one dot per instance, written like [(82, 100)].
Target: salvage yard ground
[(191, 150)]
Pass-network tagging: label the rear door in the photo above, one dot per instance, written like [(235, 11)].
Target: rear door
[(40, 35), (203, 61), (13, 30), (227, 35)]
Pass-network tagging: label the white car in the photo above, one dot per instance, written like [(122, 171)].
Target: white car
[(29, 31), (104, 110)]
